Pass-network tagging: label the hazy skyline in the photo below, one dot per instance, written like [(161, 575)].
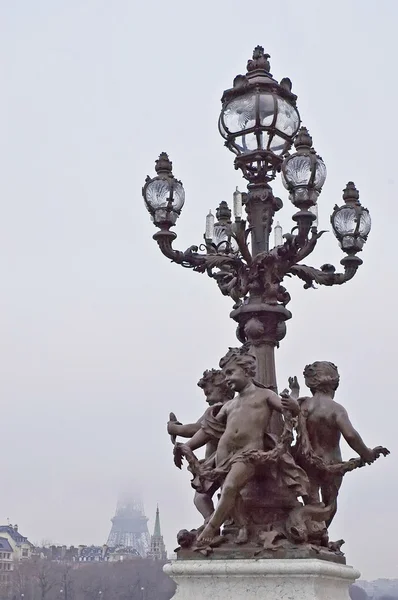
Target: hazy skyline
[(100, 335)]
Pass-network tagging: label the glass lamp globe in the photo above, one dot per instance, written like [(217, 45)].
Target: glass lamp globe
[(218, 235), (303, 173), (259, 119), (164, 195), (351, 222)]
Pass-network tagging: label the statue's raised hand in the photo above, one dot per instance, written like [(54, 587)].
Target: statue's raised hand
[(294, 384), (373, 454), (172, 427)]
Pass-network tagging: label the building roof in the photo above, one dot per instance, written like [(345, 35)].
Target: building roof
[(5, 545), (58, 553), (91, 551), (124, 550), (14, 534)]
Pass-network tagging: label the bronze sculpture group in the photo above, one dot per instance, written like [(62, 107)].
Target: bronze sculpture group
[(277, 492)]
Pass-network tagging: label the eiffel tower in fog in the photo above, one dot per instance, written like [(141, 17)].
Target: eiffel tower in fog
[(129, 526)]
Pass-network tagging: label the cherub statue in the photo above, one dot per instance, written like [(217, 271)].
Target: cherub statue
[(242, 425), (322, 422), (217, 392)]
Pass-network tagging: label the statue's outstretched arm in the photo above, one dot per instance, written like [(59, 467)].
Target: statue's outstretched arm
[(352, 437), (185, 431), (188, 431), (285, 401), (198, 440), (201, 437)]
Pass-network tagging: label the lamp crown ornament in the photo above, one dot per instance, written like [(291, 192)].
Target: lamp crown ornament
[(163, 165), (223, 213), (259, 60), (351, 194), (303, 140)]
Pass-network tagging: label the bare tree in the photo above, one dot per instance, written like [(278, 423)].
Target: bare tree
[(45, 577), (22, 585), (67, 587), (92, 581), (137, 579)]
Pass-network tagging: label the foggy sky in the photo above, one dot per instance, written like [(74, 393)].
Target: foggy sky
[(100, 335)]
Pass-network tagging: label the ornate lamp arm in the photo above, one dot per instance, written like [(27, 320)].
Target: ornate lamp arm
[(309, 244), (190, 258), (326, 275), (165, 241)]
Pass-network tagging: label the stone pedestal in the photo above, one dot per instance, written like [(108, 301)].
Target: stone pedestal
[(272, 579)]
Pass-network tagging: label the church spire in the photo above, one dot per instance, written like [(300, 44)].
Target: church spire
[(156, 531), (157, 550)]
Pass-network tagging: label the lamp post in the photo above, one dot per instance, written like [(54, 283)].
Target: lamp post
[(260, 123), (64, 590)]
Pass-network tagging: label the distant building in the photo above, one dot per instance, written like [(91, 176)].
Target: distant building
[(92, 553), (21, 547), (57, 553), (86, 554), (129, 526), (6, 561), (129, 539), (158, 549), (122, 554)]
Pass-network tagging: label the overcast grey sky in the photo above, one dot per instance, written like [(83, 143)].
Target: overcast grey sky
[(100, 336)]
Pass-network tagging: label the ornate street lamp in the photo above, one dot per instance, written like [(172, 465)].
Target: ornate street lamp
[(262, 477), (219, 236), (304, 172), (164, 196), (260, 123), (259, 119), (351, 222)]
